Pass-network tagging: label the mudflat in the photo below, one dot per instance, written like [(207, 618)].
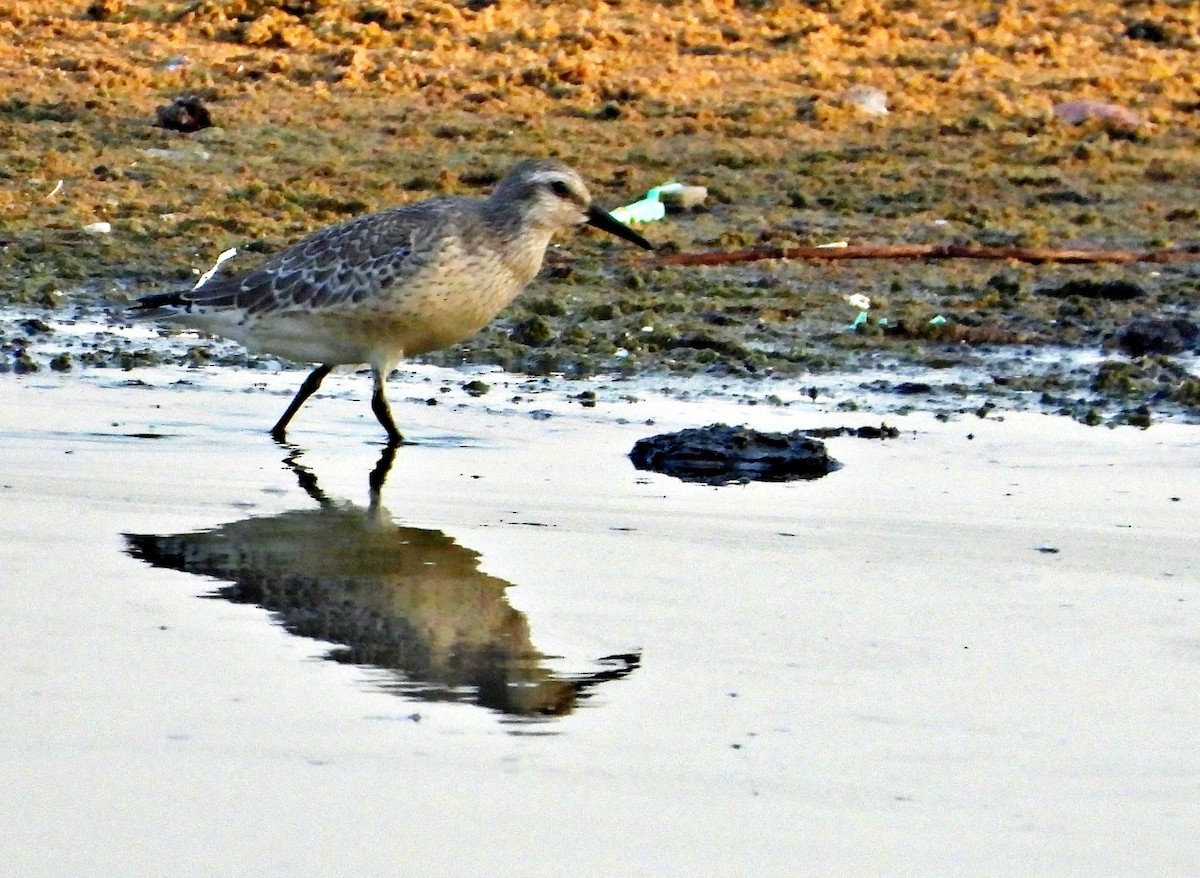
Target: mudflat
[(1042, 124)]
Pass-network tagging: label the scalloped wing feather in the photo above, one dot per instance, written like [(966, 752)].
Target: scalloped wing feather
[(343, 264)]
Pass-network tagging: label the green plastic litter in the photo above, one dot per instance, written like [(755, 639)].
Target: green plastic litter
[(649, 209)]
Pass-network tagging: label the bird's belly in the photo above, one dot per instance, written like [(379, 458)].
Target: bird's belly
[(442, 315), (309, 338)]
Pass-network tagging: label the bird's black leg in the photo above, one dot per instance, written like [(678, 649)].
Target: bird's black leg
[(379, 405), (307, 389), (379, 475)]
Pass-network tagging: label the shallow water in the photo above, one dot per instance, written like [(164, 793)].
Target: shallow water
[(407, 599), (1042, 378), (884, 670)]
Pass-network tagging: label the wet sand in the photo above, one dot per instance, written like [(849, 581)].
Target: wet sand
[(955, 655)]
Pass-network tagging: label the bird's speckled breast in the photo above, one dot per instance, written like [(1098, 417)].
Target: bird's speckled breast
[(457, 293)]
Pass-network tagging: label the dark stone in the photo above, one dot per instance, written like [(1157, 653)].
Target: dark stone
[(702, 341), (1158, 336), (883, 431), (104, 10), (23, 364), (1115, 290), (1065, 196), (912, 388), (1006, 283), (1150, 31), (609, 112), (717, 318), (374, 15), (186, 114), (35, 326), (719, 454)]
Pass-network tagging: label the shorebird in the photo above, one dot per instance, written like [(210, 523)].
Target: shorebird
[(393, 284)]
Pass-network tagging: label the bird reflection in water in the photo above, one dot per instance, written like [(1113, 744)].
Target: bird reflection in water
[(405, 599)]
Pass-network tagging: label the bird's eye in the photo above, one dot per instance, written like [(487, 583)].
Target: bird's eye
[(561, 189)]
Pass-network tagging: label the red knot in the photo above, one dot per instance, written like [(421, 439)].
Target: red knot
[(393, 284)]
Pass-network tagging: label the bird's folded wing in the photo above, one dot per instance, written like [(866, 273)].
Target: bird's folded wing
[(343, 264)]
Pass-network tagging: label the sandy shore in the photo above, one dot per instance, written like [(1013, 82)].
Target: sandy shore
[(972, 650)]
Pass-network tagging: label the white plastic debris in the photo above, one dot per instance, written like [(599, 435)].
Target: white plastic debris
[(100, 228), (833, 245), (859, 301), (177, 155), (649, 209), (57, 188), (207, 276), (870, 100)]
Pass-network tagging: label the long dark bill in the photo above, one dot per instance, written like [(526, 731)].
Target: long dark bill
[(602, 219)]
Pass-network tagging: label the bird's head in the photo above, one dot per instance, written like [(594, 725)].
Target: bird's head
[(549, 195)]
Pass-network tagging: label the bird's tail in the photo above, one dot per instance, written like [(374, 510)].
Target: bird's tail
[(160, 300)]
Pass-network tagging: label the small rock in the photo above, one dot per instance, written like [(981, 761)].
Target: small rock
[(105, 10), (1158, 336), (476, 387), (99, 228), (609, 111), (186, 114), (35, 326), (1115, 290), (1065, 196), (23, 364), (883, 431), (1149, 31)]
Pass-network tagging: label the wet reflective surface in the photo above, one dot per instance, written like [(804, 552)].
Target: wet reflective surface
[(406, 599), (877, 673)]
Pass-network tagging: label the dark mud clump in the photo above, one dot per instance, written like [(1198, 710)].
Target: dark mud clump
[(883, 431), (186, 114), (1113, 290), (1158, 336), (719, 454)]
